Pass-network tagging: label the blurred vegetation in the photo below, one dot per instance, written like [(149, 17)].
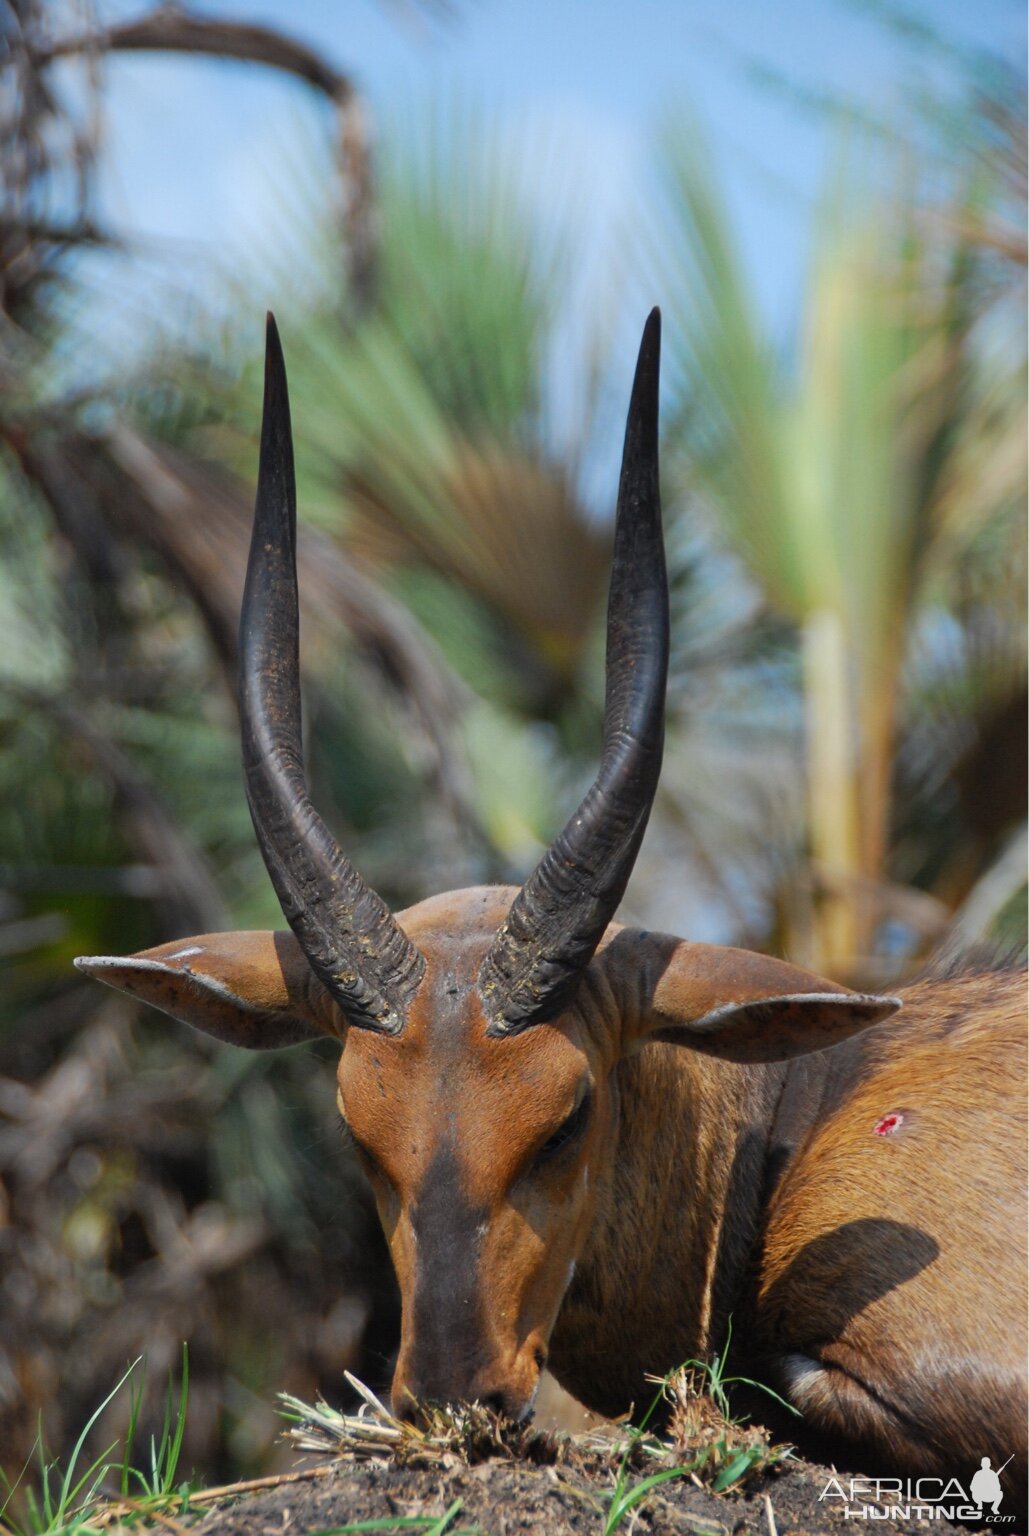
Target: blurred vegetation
[(873, 485), (845, 765)]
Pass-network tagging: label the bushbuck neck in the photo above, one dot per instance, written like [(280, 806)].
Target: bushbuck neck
[(678, 1211), (682, 1190)]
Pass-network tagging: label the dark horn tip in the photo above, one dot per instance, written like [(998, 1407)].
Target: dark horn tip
[(651, 342), (648, 365), (274, 361), (641, 427), (276, 432)]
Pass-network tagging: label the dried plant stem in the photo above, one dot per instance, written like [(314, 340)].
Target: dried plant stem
[(253, 1484)]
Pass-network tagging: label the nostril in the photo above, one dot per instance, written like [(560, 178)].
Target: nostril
[(496, 1402)]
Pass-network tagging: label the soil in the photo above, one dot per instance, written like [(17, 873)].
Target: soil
[(509, 1496)]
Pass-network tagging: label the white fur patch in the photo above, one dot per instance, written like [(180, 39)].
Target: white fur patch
[(806, 1384)]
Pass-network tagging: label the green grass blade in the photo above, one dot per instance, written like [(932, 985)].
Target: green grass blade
[(136, 1390), (759, 1386), (624, 1501), (70, 1490), (446, 1519), (172, 1450), (738, 1467)]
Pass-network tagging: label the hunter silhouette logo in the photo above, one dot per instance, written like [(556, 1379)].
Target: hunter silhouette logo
[(985, 1488), (922, 1498)]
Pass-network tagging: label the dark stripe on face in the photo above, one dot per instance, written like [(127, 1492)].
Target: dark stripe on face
[(450, 1344)]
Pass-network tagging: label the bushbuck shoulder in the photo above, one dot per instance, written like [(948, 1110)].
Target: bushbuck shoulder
[(592, 1145)]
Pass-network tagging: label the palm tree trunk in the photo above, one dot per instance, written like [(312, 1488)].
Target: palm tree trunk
[(832, 772)]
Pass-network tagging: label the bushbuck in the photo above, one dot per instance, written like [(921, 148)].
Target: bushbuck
[(592, 1146)]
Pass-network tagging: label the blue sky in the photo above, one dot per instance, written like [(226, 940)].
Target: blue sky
[(190, 143)]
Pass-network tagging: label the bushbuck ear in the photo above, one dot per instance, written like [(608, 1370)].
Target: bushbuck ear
[(251, 989), (732, 1003)]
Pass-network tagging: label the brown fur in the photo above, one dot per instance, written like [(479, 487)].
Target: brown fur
[(900, 1261), (878, 1281)]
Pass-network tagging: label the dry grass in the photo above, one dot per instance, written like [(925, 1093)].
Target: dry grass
[(698, 1426), (700, 1441), (464, 1433)]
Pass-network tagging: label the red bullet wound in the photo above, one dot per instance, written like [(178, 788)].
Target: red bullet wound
[(889, 1124)]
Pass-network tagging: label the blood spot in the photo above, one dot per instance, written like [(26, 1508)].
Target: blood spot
[(889, 1124)]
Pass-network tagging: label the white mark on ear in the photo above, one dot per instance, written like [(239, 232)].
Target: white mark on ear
[(180, 954), (219, 989), (873, 1006), (96, 965), (92, 964)]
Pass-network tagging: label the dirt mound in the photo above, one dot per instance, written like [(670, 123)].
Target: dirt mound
[(517, 1498)]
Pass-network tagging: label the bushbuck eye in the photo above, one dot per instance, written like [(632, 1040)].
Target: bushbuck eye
[(369, 1162), (568, 1132)]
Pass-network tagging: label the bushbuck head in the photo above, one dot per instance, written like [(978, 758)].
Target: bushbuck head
[(482, 1031)]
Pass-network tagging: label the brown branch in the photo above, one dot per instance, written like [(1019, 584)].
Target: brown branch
[(170, 29), (39, 231)]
